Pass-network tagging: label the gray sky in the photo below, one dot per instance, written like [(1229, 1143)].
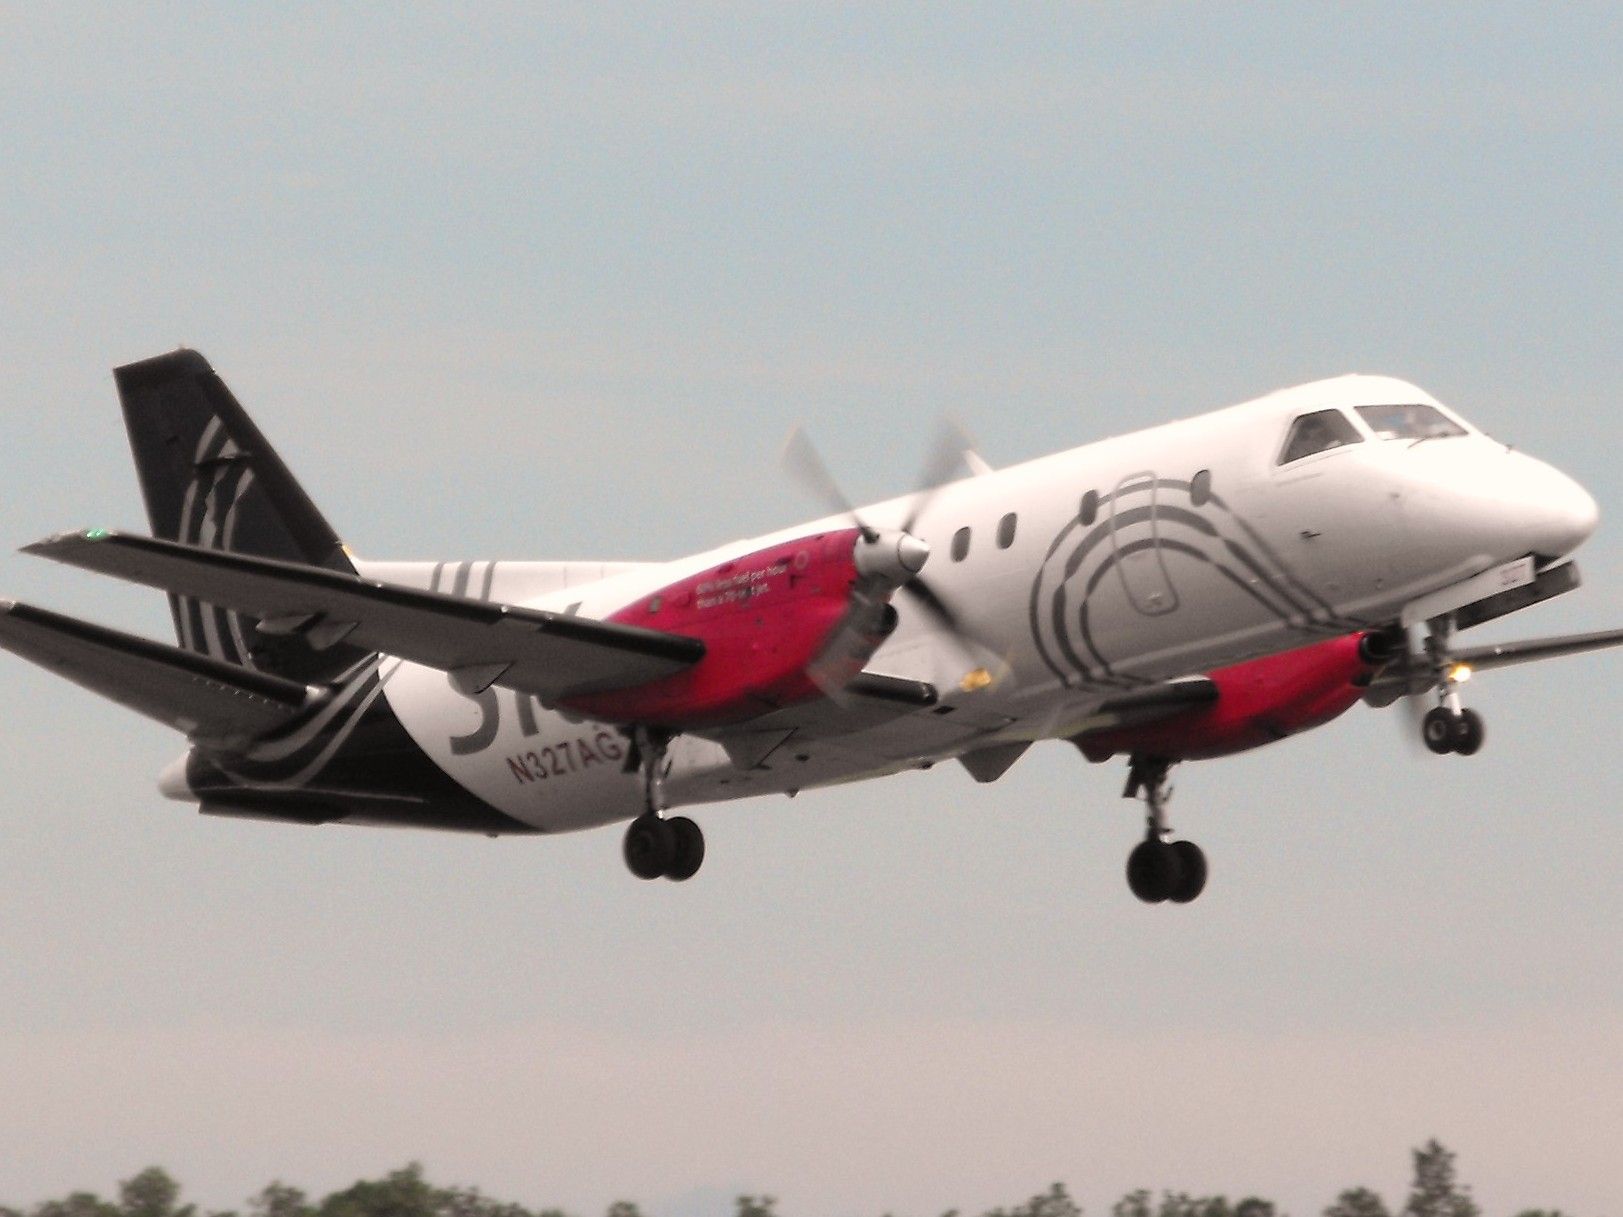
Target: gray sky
[(556, 282)]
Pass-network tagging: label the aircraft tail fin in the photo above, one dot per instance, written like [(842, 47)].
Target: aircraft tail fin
[(210, 478)]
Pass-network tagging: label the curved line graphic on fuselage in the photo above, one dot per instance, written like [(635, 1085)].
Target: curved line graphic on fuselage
[(1082, 555)]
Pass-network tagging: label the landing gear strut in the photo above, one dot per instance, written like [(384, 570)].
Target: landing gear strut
[(657, 847), (1160, 869), (1449, 727)]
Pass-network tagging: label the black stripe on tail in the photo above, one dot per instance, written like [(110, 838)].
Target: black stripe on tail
[(210, 478)]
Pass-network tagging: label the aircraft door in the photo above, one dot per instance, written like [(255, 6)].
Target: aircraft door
[(1136, 545)]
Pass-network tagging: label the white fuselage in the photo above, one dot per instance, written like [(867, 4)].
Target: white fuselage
[(1145, 557)]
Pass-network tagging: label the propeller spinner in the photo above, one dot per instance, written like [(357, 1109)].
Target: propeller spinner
[(892, 558)]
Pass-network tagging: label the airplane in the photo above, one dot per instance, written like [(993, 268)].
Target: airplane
[(1192, 590)]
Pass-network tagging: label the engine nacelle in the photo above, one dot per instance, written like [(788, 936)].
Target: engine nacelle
[(765, 619), (1258, 702)]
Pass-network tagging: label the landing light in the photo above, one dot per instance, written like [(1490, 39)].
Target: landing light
[(1459, 673), (974, 682)]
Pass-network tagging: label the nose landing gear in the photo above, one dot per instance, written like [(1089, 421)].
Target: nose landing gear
[(1446, 730), (1449, 727), (657, 847), (1160, 869)]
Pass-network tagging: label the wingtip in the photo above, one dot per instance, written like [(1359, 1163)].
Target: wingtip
[(48, 546)]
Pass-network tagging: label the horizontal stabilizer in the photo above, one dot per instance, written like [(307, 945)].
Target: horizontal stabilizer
[(552, 655), (210, 700)]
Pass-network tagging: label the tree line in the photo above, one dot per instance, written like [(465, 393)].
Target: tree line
[(1433, 1192)]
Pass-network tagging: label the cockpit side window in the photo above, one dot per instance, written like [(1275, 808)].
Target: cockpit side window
[(1318, 432), (1409, 422)]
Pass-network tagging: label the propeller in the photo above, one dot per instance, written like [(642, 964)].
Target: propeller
[(896, 557), (802, 462)]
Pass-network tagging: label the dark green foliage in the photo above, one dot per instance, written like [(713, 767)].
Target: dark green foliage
[(1055, 1202), (1434, 1192), (279, 1200), (79, 1204), (1357, 1202), (152, 1193), (405, 1193), (1181, 1204), (401, 1193), (470, 1202)]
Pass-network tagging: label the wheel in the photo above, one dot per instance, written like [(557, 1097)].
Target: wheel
[(1437, 729), (1468, 732), (1192, 867), (687, 854), (650, 847), (1154, 871)]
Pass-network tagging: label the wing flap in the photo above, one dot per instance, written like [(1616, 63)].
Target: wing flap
[(869, 701), (206, 698), (552, 655), (1149, 705)]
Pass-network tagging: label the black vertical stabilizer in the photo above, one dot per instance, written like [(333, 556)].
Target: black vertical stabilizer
[(211, 479)]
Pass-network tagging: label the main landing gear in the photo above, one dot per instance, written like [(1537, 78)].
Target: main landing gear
[(1160, 869), (656, 847), (1449, 727)]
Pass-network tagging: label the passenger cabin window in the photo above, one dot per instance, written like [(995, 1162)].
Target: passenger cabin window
[(1409, 422), (1200, 488), (1318, 432), (960, 545), (1005, 530), (1090, 507)]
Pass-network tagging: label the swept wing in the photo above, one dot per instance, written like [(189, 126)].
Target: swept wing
[(552, 655)]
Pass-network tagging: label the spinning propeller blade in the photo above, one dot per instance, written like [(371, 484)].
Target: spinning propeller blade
[(946, 456), (947, 453), (802, 461), (932, 604)]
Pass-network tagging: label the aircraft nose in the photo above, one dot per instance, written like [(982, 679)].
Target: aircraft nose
[(1554, 512)]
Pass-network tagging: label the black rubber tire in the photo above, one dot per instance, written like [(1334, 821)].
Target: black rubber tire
[(688, 852), (1437, 729), (650, 847), (1468, 733), (1153, 871), (1192, 867)]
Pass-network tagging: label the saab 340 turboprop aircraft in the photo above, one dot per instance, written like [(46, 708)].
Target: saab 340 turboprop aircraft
[(1192, 590)]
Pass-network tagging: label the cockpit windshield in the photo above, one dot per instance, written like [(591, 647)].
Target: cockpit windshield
[(1318, 432), (1409, 422)]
